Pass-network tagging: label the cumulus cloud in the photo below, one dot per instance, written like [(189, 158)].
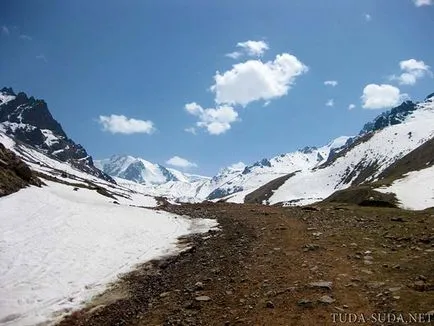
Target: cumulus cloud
[(249, 48), (351, 107), (180, 162), (253, 48), (5, 30), (412, 71), (420, 3), (120, 124), (332, 83), (381, 96), (256, 80), (215, 120), (330, 103)]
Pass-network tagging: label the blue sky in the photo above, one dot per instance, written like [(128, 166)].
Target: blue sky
[(248, 76)]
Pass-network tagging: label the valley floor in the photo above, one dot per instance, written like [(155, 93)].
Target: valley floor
[(281, 266)]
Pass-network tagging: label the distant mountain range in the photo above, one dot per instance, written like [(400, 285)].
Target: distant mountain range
[(302, 177)]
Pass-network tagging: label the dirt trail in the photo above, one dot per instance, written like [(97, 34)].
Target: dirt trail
[(259, 268)]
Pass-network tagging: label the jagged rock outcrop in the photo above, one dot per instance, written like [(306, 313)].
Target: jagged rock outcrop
[(29, 120)]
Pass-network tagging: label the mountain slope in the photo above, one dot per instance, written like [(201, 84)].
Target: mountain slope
[(14, 173), (100, 227), (28, 120), (363, 161), (264, 171)]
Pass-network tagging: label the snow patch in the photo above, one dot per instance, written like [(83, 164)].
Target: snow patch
[(60, 247), (415, 190)]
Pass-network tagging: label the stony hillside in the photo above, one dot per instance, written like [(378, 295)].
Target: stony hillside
[(14, 173)]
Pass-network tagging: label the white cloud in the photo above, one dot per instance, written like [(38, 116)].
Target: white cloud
[(381, 96), (191, 130), (25, 37), (120, 124), (420, 3), (332, 83), (255, 80), (330, 103), (216, 120), (180, 162), (249, 48), (412, 71), (253, 48), (351, 107), (5, 30), (234, 55), (368, 17)]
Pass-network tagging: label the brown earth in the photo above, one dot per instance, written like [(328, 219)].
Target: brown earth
[(14, 173), (258, 268)]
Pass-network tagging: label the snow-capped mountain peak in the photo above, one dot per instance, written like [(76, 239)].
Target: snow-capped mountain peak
[(29, 120), (142, 171)]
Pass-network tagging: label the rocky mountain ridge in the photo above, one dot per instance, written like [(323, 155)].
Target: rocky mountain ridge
[(29, 120)]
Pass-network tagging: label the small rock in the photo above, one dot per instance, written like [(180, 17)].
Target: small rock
[(375, 285), (203, 298), (322, 284), (164, 294), (397, 219), (270, 305), (326, 299), (310, 247), (199, 286), (394, 289), (305, 303), (366, 271), (419, 286)]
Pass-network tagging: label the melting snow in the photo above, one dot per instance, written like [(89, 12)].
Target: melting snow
[(60, 247), (415, 190)]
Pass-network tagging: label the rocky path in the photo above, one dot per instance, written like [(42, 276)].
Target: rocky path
[(280, 266)]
